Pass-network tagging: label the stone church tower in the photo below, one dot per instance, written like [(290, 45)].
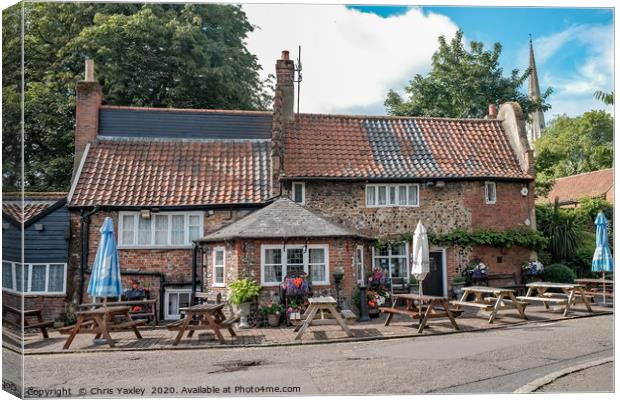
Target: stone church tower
[(536, 120)]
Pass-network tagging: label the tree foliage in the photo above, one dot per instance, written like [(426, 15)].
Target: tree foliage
[(574, 145), (462, 84), (159, 55), (607, 98), (563, 229)]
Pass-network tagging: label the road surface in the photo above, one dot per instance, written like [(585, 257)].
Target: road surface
[(499, 360)]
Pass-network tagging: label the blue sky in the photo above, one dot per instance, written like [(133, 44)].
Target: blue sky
[(384, 46)]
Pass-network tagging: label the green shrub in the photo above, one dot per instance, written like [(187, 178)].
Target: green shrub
[(559, 273), (242, 291)]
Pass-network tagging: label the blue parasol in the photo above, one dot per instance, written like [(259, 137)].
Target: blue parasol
[(105, 277), (602, 261)]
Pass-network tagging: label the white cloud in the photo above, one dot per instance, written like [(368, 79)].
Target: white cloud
[(574, 89), (350, 59)]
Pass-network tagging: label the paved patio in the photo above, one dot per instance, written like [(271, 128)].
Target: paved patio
[(156, 338)]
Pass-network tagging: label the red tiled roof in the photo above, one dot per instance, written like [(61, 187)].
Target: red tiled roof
[(571, 189), (33, 205), (173, 172), (397, 147)]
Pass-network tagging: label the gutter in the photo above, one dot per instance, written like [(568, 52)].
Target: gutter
[(406, 179)]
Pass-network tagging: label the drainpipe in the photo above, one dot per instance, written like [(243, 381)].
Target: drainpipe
[(194, 269), (85, 228)]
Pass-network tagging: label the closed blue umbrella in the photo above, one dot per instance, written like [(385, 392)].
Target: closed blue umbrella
[(602, 260), (105, 277)]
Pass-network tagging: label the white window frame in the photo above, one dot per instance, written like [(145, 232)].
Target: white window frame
[(28, 284), (486, 192), (360, 277), (223, 266), (391, 188), (167, 292), (136, 215), (390, 256), (306, 256), (303, 192)]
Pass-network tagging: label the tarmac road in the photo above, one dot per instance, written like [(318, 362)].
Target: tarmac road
[(500, 360)]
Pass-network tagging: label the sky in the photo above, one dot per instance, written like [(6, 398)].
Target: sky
[(353, 55)]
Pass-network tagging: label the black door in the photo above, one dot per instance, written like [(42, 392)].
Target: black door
[(433, 283)]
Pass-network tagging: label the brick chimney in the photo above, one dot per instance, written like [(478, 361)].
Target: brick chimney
[(87, 106), (283, 106), (492, 111)]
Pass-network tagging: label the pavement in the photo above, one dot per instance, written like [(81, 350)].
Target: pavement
[(594, 379), (492, 361)]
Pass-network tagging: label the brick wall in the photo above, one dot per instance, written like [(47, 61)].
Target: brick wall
[(53, 307), (87, 106), (243, 258)]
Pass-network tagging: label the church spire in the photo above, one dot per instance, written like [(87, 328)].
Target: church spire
[(536, 122)]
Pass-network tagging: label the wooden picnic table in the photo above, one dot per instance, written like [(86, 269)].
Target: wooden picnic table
[(597, 287), (201, 317), (571, 293), (324, 306), (496, 299), (148, 308), (101, 321), (426, 308), (9, 313)]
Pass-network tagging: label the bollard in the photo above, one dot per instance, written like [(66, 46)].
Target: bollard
[(363, 303)]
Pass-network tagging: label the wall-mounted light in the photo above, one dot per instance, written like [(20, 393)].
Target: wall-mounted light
[(430, 183), (527, 222), (210, 213), (38, 227), (145, 214), (524, 191), (440, 184)]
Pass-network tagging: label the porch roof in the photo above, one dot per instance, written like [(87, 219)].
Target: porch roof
[(281, 219)]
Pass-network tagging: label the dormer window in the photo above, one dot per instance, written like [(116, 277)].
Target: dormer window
[(299, 192), (490, 193)]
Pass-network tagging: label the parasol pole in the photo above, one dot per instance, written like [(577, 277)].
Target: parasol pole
[(604, 291)]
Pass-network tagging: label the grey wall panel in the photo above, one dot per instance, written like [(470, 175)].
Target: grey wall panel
[(49, 244)]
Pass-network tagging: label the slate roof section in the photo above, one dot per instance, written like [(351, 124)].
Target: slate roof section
[(364, 147), (281, 219), (142, 122), (571, 189), (165, 172), (34, 204)]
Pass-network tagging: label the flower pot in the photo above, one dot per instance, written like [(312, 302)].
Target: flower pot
[(457, 288), (244, 313), (273, 320)]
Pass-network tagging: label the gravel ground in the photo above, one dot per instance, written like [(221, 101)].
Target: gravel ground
[(499, 360)]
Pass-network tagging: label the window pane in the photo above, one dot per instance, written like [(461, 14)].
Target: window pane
[(144, 231), (178, 229), (317, 273), (392, 195), (294, 261), (298, 192), (370, 196), (194, 227), (413, 195), (272, 273), (219, 257), (19, 272), (161, 229), (38, 278), (128, 229), (317, 256), (399, 249), (399, 267), (384, 250), (273, 256), (382, 195), (184, 299), (56, 278), (7, 275), (219, 274), (490, 192), (402, 195), (359, 265)]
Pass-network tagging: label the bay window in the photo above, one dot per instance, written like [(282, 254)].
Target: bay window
[(279, 261), (398, 195), (165, 229)]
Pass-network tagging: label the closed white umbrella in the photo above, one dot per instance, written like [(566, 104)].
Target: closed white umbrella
[(420, 256)]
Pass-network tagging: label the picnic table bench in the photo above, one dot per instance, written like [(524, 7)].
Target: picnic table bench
[(597, 287), (13, 316), (323, 306), (201, 317), (497, 299), (428, 307), (569, 295), (101, 321)]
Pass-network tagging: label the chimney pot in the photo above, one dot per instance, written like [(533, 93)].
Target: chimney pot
[(89, 75), (492, 111), (285, 54)]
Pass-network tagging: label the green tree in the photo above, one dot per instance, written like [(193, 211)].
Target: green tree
[(462, 83), (607, 98), (563, 228), (573, 145), (159, 55)]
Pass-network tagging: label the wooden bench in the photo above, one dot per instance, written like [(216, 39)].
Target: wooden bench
[(200, 317), (511, 277), (13, 317)]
